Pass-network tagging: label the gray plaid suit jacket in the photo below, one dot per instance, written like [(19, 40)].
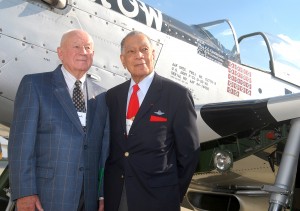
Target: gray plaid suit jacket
[(49, 153)]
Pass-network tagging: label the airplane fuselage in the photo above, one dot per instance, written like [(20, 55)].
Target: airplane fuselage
[(182, 54)]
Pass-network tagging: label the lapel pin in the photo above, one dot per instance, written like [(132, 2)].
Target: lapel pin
[(159, 112)]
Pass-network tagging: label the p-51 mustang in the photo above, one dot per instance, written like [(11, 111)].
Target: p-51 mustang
[(245, 90)]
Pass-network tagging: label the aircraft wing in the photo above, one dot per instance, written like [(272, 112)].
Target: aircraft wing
[(218, 120)]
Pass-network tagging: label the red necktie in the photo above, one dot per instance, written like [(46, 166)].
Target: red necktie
[(133, 105)]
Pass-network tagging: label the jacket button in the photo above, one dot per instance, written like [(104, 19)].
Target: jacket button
[(122, 176), (126, 154)]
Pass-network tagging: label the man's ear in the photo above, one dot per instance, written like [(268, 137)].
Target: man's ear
[(59, 53), (122, 60)]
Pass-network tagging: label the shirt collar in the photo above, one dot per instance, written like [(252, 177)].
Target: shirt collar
[(70, 79), (144, 84)]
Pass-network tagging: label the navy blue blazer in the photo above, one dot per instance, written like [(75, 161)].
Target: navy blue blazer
[(49, 154), (158, 157)]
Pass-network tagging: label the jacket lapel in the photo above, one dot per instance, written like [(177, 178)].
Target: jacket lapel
[(91, 103), (153, 94), (63, 96)]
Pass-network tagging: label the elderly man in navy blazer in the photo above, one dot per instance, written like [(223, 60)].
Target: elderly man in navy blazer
[(57, 151), (153, 149)]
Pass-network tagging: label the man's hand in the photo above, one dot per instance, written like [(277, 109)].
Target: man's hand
[(29, 203), (101, 205)]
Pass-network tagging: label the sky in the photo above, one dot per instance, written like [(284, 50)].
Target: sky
[(276, 17)]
